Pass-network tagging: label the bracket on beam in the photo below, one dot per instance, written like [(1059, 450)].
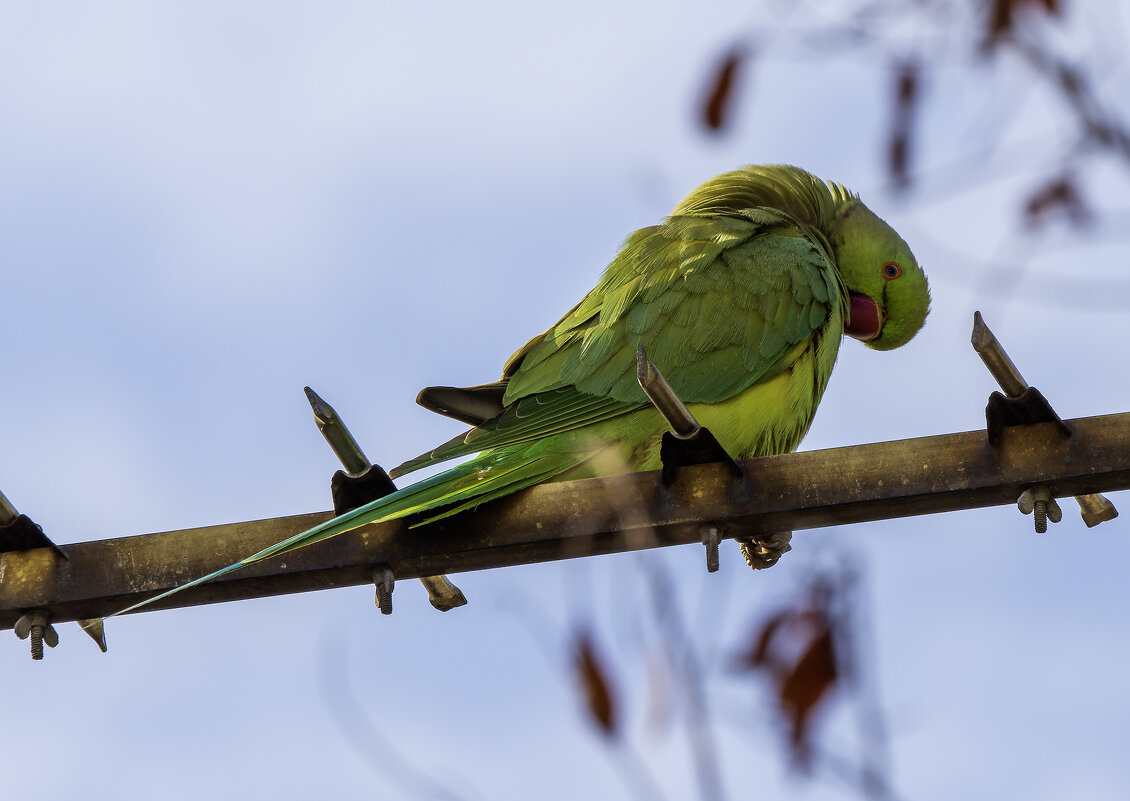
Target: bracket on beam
[(19, 532), (362, 482), (688, 443), (1022, 404)]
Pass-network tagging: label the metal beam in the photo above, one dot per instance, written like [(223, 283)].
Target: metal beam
[(582, 518)]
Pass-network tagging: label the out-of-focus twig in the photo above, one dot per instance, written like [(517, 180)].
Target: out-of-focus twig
[(363, 734), (683, 655)]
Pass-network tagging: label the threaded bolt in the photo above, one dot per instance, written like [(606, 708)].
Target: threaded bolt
[(37, 642), (385, 582), (710, 540), (1039, 502), (36, 624), (384, 599)]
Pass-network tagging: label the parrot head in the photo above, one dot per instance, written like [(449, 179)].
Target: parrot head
[(888, 293)]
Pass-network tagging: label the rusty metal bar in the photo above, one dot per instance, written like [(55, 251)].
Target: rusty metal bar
[(583, 518)]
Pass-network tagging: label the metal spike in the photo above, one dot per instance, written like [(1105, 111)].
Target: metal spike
[(659, 392), (1095, 509), (442, 594), (96, 629), (8, 512), (333, 428), (994, 357)]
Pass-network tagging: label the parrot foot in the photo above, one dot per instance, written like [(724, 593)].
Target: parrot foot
[(764, 551)]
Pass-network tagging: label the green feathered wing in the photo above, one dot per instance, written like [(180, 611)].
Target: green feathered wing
[(723, 303), (718, 302)]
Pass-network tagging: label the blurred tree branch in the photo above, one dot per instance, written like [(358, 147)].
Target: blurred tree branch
[(363, 733), (919, 44)]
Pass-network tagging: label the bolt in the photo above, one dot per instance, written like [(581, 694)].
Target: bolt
[(385, 582), (1038, 502), (35, 624), (710, 540), (37, 642)]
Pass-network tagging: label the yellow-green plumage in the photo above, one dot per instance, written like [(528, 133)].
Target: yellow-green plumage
[(741, 298)]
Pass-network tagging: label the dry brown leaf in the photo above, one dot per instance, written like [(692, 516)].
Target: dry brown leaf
[(599, 697), (718, 109)]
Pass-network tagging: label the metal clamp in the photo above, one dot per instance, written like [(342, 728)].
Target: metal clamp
[(1022, 404), (362, 482), (20, 533), (687, 443)]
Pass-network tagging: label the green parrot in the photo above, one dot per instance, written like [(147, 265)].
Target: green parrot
[(741, 298)]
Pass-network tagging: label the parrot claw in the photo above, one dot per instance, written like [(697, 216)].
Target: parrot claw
[(763, 551)]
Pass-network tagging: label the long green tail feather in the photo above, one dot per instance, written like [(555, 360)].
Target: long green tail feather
[(537, 472), (491, 475), (533, 418)]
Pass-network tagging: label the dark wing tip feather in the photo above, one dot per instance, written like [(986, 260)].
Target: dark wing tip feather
[(470, 405)]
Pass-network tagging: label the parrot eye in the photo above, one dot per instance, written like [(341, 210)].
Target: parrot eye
[(891, 271)]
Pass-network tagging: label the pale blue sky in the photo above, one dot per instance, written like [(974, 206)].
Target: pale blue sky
[(205, 208)]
